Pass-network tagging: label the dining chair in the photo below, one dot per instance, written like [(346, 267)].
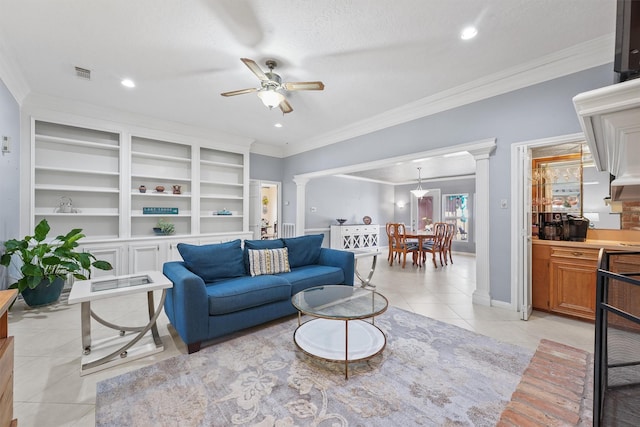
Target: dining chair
[(450, 232), (390, 238), (435, 246), (402, 246)]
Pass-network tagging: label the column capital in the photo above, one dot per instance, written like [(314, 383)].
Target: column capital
[(483, 151), (300, 181)]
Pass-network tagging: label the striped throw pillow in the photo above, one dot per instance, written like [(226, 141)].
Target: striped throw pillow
[(268, 261)]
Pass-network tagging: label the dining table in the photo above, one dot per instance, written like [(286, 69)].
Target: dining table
[(421, 236)]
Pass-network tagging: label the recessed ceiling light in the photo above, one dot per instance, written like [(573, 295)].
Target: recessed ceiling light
[(468, 33), (128, 83), (278, 125)]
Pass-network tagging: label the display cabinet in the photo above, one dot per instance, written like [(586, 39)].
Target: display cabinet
[(556, 184)]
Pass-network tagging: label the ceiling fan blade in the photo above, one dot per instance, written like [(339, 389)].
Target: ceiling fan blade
[(303, 85), (239, 92), (285, 107), (255, 69)]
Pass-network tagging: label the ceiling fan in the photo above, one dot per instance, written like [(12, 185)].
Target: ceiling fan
[(271, 86)]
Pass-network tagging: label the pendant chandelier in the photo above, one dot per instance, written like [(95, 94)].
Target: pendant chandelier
[(419, 192)]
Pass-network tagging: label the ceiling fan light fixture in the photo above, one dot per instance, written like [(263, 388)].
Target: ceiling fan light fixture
[(419, 192), (270, 98)]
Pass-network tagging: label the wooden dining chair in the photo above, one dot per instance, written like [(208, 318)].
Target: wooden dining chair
[(402, 246), (435, 246), (390, 230), (448, 240)]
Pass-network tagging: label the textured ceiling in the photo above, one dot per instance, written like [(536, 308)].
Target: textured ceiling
[(373, 56)]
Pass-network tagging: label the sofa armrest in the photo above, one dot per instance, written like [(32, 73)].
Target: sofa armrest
[(341, 259), (187, 305)]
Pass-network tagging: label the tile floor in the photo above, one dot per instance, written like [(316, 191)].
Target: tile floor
[(49, 391)]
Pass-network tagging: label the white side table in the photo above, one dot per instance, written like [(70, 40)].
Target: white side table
[(132, 342)]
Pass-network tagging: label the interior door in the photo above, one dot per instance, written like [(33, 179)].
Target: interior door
[(255, 207), (524, 226)]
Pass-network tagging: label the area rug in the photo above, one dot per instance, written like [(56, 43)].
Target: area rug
[(430, 374)]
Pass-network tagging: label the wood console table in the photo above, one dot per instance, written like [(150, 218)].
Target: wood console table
[(6, 360)]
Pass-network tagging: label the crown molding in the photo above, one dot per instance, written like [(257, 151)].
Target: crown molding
[(580, 57), (267, 150), (70, 111), (11, 75)]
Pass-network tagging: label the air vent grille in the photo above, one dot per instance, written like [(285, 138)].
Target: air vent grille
[(83, 73)]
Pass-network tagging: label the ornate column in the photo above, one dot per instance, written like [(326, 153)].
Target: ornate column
[(301, 184), (481, 295)]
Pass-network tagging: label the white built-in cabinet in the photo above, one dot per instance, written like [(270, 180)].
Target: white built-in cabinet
[(100, 172)]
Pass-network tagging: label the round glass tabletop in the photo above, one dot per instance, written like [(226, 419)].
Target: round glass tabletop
[(340, 302)]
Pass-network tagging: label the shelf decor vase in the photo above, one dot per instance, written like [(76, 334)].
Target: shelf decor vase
[(177, 189), (44, 294)]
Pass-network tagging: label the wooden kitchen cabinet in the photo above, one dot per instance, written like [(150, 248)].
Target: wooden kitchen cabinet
[(564, 279), (573, 273), (540, 277)]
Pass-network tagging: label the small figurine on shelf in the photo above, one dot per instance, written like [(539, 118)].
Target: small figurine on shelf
[(177, 189), (142, 189)]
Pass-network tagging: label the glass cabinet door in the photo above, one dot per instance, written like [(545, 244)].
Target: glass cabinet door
[(557, 185)]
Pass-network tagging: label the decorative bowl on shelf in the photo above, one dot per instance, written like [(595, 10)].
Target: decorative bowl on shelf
[(341, 220)]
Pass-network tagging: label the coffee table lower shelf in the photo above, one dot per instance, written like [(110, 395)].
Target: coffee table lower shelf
[(340, 340)]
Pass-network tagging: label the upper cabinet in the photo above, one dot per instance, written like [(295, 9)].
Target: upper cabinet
[(557, 184), (76, 179), (117, 185)]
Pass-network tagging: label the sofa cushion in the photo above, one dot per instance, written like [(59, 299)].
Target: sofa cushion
[(259, 244), (240, 293), (313, 275), (268, 261), (304, 250), (214, 262)]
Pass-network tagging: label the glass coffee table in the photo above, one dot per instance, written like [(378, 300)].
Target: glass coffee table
[(339, 331)]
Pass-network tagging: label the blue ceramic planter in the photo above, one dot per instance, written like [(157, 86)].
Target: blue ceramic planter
[(44, 293)]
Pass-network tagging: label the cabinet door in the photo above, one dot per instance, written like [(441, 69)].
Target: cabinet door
[(540, 277), (573, 287), (145, 257), (112, 253)]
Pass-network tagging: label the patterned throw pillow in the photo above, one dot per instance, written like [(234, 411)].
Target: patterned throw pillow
[(268, 261)]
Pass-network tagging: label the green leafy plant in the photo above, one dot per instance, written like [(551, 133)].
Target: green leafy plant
[(42, 260), (166, 227)]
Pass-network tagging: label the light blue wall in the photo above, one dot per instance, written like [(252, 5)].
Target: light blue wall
[(9, 171), (265, 168), (539, 111)]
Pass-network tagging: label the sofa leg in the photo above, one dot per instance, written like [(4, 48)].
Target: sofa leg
[(193, 347)]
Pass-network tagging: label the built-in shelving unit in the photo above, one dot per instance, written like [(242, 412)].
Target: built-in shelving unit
[(160, 163), (79, 169), (221, 190), (90, 178)]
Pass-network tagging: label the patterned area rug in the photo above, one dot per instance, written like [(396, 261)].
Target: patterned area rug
[(430, 373)]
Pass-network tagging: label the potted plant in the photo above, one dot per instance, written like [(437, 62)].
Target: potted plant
[(164, 228), (47, 264)]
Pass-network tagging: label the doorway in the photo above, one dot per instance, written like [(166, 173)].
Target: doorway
[(521, 218), (425, 211), (264, 209)]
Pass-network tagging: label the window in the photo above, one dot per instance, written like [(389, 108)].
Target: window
[(454, 208)]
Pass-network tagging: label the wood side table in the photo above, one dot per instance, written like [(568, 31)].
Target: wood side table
[(6, 360)]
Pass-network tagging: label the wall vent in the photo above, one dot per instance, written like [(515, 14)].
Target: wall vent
[(83, 73)]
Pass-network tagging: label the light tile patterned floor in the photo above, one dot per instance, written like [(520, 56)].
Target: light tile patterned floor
[(49, 390)]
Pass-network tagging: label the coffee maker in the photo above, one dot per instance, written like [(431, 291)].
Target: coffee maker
[(551, 226), (562, 226)]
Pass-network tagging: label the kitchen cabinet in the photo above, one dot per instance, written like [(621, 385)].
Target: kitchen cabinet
[(564, 279)]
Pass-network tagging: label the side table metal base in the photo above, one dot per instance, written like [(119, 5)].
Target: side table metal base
[(130, 344)]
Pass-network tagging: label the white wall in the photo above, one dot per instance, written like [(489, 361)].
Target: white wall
[(9, 171)]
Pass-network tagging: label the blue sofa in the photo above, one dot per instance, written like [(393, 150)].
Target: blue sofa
[(223, 288)]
